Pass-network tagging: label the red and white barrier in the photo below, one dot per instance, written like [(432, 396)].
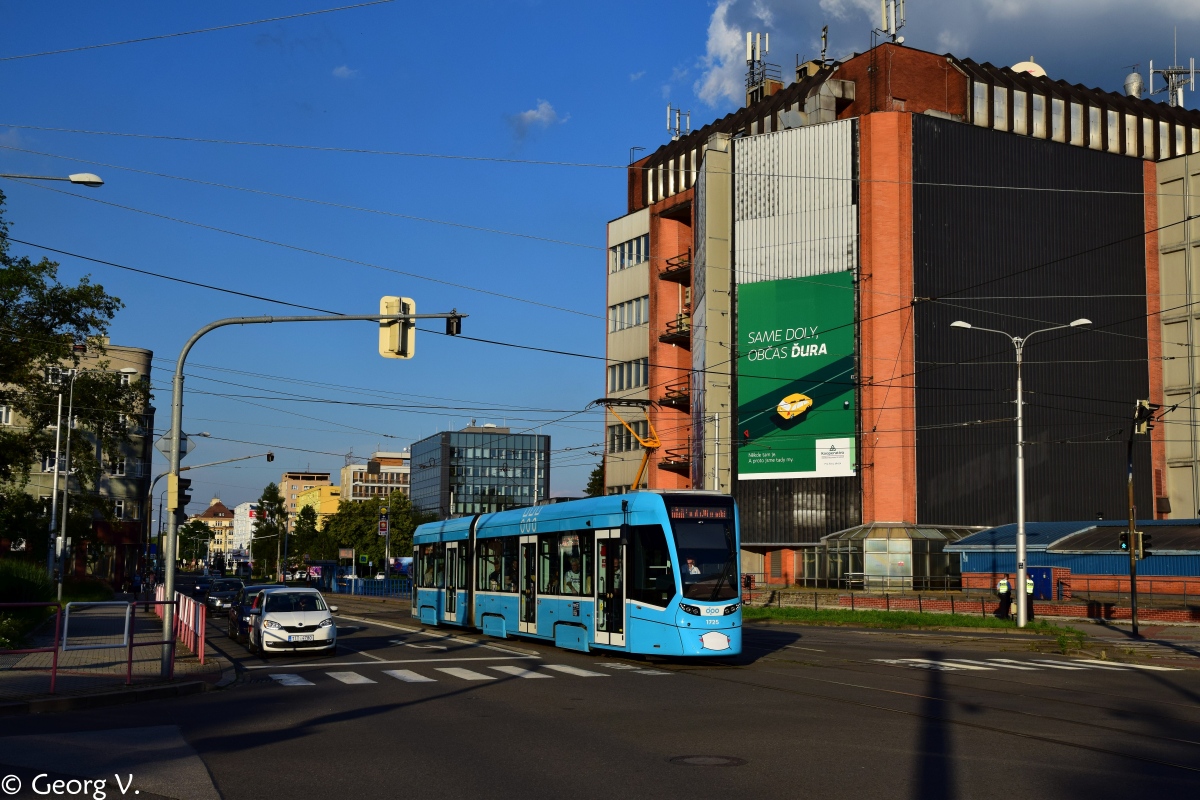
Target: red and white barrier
[(190, 620)]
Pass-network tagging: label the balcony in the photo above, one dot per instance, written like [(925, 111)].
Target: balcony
[(677, 395), (678, 269), (679, 331), (678, 460)]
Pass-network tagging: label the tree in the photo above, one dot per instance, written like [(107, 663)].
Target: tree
[(595, 484), (357, 525), (41, 320), (305, 538), (269, 529), (192, 540)]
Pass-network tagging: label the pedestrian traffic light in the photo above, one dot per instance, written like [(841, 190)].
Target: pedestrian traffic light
[(1143, 544), (1124, 540), (177, 492), (397, 337)]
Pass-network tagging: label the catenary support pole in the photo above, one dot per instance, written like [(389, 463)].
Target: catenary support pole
[(54, 491), (1132, 534), (1022, 610), (169, 555)]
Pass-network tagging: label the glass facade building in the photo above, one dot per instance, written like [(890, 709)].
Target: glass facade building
[(478, 470)]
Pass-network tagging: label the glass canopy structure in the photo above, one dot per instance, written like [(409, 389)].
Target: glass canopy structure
[(885, 555)]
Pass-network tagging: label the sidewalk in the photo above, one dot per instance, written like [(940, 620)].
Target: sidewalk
[(393, 610), (25, 679)]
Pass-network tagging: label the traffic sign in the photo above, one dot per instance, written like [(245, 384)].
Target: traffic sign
[(163, 445), (362, 559), (383, 523)]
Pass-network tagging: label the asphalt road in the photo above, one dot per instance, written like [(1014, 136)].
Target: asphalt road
[(807, 712)]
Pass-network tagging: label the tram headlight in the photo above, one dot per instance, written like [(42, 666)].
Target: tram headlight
[(693, 610), (730, 609)]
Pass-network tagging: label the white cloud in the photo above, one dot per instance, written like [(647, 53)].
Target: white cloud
[(344, 72), (723, 60), (637, 76), (542, 116)]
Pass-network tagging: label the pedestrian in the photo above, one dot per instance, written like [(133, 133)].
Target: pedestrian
[(1004, 592), (1028, 598)]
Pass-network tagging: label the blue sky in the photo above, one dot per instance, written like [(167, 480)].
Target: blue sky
[(535, 81)]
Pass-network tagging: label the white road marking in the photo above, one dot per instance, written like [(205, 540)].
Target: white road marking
[(465, 674), (520, 672), (319, 664), (289, 680), (952, 663), (1110, 665), (349, 677), (582, 673), (408, 676), (1079, 665), (620, 666), (1058, 665), (798, 647), (918, 663), (1009, 663), (651, 672), (426, 646)]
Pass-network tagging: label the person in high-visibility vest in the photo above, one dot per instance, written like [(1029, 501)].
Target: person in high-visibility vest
[(1004, 592), (1028, 597)]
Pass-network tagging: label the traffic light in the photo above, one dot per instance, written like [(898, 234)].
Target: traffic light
[(1143, 545), (1125, 540), (453, 326), (177, 492), (397, 337), (1143, 416), (270, 456)]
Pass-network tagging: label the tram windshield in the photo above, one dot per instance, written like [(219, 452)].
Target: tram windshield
[(704, 540)]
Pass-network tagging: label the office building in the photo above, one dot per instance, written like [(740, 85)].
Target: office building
[(381, 475), (478, 470), (291, 484)]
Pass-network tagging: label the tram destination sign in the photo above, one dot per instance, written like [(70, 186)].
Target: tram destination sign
[(699, 512), (795, 378)]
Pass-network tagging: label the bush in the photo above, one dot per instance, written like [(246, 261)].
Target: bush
[(24, 581)]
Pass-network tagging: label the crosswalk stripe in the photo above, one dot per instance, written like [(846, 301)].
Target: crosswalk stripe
[(993, 663), (521, 672), (1058, 665), (582, 673), (349, 677), (289, 680), (408, 676), (1111, 665), (620, 666), (1009, 663), (465, 674), (1079, 665), (946, 663)]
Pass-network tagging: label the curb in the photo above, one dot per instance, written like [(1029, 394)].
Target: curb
[(498, 644), (76, 703)]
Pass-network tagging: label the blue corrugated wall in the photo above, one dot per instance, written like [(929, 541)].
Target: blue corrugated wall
[(1081, 564)]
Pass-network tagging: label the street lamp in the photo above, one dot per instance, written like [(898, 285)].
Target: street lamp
[(79, 178), (1019, 344)]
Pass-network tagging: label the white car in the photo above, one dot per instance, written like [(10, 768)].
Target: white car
[(289, 619)]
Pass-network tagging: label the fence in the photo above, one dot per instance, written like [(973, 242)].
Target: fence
[(394, 587), (31, 650), (190, 620)]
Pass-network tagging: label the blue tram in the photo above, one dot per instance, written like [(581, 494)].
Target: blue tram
[(644, 572)]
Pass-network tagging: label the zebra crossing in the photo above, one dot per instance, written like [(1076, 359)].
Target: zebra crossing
[(1029, 665), (480, 675)]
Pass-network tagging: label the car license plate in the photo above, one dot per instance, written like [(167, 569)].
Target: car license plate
[(307, 637)]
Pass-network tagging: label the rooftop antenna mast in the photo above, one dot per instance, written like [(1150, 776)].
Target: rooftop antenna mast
[(1178, 78), (824, 43), (758, 72), (681, 126), (891, 15)]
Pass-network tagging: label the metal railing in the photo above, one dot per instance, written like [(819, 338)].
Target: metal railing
[(30, 650), (363, 587)]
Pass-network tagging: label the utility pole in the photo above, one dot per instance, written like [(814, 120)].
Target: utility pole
[(1143, 413), (54, 491), (397, 337)]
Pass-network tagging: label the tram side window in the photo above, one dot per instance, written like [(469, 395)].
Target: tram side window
[(651, 579), (548, 564), (489, 569), (511, 576), (575, 562), (433, 563)]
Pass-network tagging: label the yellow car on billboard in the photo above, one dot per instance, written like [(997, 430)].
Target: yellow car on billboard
[(794, 405)]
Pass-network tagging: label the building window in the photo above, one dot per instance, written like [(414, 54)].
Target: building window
[(1039, 116), (628, 375), (118, 467), (119, 509), (1131, 135), (1077, 124), (124, 378), (1000, 108), (5, 415), (1147, 138), (1114, 132), (1180, 140), (628, 254), (620, 440), (1094, 130), (1164, 139), (1058, 120), (1020, 113), (981, 104), (629, 314)]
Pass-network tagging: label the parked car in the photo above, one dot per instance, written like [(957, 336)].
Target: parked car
[(201, 587), (380, 577), (221, 593), (290, 619), (239, 620)]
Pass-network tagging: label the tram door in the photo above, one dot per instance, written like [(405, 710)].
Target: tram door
[(610, 588), (528, 610), (452, 571)]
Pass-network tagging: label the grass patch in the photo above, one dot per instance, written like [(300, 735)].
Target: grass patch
[(23, 581), (902, 619)]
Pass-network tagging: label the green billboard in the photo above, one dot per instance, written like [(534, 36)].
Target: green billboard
[(795, 378)]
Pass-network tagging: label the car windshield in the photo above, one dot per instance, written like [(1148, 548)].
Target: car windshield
[(226, 586), (285, 602), (707, 559)]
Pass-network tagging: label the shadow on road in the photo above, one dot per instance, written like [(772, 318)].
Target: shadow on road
[(934, 777)]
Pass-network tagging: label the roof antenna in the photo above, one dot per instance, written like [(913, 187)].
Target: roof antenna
[(682, 124), (1177, 77), (824, 43), (891, 15)]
